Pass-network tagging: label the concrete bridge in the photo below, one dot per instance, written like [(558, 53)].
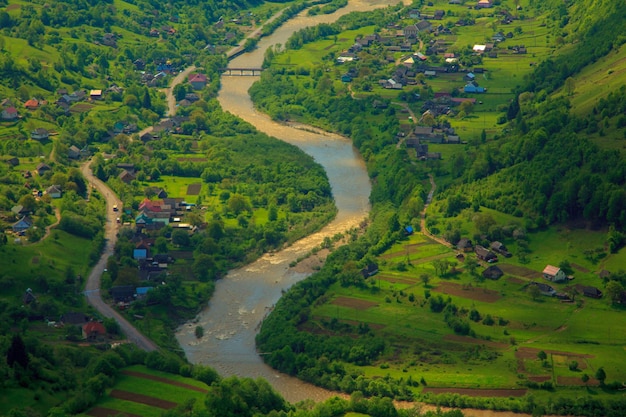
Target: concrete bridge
[(241, 71)]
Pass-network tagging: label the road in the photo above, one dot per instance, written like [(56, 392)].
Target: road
[(429, 200), (92, 288), (169, 91)]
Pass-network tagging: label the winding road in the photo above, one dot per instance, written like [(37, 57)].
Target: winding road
[(92, 287)]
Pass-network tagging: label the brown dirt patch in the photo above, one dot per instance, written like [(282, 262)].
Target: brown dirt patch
[(575, 381), (395, 280), (473, 293), (520, 271), (580, 268), (164, 380), (189, 159), (354, 303), (409, 248), (142, 399), (194, 189), (108, 412), (472, 392), (531, 353), (514, 280), (473, 341), (12, 7), (81, 108), (540, 378), (34, 260)]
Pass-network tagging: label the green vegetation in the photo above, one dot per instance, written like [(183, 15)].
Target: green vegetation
[(539, 168), (519, 179)]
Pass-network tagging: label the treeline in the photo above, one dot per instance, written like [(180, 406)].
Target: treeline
[(596, 28), (80, 377)]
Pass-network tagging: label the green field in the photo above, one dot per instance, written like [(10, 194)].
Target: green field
[(395, 305), (141, 381)]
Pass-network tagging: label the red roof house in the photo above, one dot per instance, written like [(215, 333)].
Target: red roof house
[(93, 330), (198, 81), (32, 104)]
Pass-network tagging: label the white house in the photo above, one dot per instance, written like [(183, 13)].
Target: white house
[(554, 273)]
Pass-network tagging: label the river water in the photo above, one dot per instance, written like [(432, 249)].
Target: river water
[(243, 298), (245, 295)]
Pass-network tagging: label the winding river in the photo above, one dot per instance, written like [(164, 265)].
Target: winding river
[(246, 295)]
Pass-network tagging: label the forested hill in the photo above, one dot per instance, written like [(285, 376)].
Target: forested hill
[(558, 164)]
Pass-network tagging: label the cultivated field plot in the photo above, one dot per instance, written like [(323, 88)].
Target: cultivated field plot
[(140, 391), (507, 326), (194, 189)]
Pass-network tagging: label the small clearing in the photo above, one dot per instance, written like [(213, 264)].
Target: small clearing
[(575, 381), (520, 271), (472, 392), (164, 380), (109, 412), (472, 341), (142, 399), (354, 303), (472, 293), (194, 189)]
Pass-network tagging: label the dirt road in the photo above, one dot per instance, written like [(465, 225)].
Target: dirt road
[(92, 288)]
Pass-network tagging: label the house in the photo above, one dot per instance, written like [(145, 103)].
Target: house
[(592, 292), (500, 248), (465, 245), (95, 94), (479, 49), (410, 31), (545, 289), (122, 293), (142, 292), (408, 230), (424, 26), (141, 251), (493, 272), (453, 139), (13, 161), (73, 152), (554, 274), (471, 88), (485, 254), (29, 297), (439, 14), (93, 330), (42, 169), (74, 318), (346, 78), (126, 177), (10, 113), (19, 210), (484, 4), (54, 191), (414, 14), (40, 134), (22, 225), (198, 81), (32, 104), (369, 270)]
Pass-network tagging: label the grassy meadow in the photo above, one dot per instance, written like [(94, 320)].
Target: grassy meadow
[(395, 305), (148, 393)]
